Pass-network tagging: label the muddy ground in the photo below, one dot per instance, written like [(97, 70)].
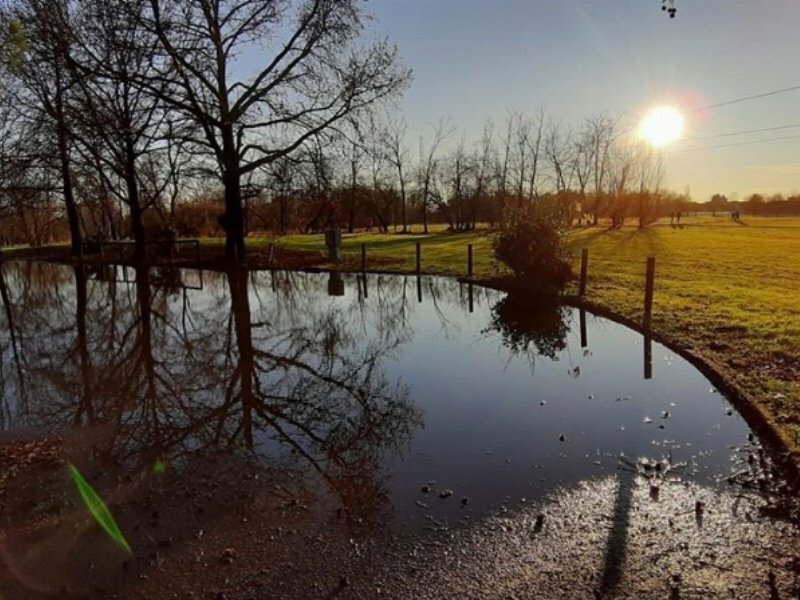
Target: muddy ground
[(221, 525)]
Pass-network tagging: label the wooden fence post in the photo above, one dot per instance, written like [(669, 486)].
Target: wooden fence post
[(419, 257), (648, 292), (469, 260), (584, 270)]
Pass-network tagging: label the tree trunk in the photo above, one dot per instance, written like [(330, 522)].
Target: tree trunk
[(137, 226), (66, 178), (234, 218)]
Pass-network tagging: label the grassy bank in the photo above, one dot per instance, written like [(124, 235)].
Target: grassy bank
[(726, 292)]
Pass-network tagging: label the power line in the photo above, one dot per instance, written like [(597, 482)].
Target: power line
[(748, 131), (746, 98), (776, 139)]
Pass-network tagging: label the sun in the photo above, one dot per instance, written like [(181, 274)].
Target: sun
[(661, 126)]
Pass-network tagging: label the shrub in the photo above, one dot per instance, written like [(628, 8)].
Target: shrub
[(530, 243)]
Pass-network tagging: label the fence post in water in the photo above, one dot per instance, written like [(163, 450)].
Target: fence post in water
[(584, 270), (648, 292), (584, 336), (648, 357), (363, 258), (469, 260), (271, 253), (419, 257)]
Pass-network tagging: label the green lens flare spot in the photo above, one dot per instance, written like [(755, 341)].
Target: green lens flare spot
[(98, 509)]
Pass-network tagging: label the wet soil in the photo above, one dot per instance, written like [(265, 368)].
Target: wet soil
[(223, 526)]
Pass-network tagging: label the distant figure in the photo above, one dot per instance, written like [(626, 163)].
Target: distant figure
[(678, 217)]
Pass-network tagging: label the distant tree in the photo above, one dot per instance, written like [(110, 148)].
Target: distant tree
[(396, 152), (718, 203), (428, 167), (755, 204)]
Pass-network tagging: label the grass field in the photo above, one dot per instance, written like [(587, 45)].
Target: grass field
[(727, 292)]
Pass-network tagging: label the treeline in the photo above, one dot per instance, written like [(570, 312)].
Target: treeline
[(756, 205), (132, 118)]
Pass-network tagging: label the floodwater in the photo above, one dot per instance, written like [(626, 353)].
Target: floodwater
[(414, 405)]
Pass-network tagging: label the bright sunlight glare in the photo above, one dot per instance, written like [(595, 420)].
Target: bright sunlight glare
[(661, 126)]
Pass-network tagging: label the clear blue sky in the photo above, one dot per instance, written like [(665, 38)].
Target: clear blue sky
[(474, 59)]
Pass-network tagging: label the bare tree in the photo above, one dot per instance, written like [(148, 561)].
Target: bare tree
[(482, 171), (120, 126), (394, 138), (599, 135), (45, 83), (429, 164), (315, 73)]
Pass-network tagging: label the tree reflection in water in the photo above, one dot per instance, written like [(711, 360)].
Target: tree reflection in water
[(531, 325), (278, 375)]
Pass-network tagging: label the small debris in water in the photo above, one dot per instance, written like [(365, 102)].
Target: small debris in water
[(665, 414), (562, 438), (648, 420), (445, 494), (542, 403), (464, 501), (537, 527), (425, 489), (654, 490)]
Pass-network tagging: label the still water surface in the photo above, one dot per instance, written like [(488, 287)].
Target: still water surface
[(415, 401)]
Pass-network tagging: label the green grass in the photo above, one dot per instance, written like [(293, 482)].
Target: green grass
[(442, 253), (726, 292)]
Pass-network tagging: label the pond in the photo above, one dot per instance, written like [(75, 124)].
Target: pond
[(413, 405)]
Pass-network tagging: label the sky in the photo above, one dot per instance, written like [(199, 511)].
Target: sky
[(476, 59)]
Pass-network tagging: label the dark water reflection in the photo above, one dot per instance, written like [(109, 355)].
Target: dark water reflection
[(478, 398)]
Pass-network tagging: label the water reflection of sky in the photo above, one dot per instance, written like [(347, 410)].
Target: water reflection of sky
[(487, 410)]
